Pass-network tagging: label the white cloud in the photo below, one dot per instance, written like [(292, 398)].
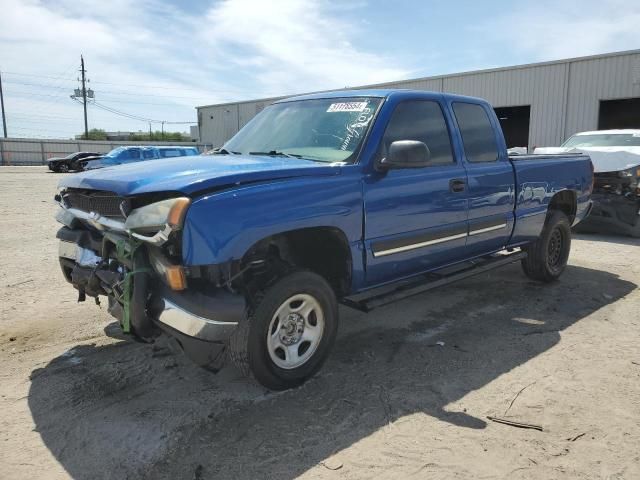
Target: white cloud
[(298, 45), (234, 49), (552, 30)]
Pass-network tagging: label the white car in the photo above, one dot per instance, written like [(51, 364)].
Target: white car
[(615, 155), (610, 150)]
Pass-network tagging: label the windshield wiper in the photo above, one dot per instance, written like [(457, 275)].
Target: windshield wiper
[(275, 153), (224, 151)]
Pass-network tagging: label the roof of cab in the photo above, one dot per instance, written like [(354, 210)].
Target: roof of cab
[(381, 93)]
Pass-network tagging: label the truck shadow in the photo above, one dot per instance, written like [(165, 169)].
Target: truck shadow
[(128, 410), (607, 238)]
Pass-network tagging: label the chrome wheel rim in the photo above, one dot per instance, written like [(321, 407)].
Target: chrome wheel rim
[(295, 331)]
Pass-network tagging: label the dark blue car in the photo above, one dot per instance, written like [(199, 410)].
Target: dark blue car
[(354, 197)]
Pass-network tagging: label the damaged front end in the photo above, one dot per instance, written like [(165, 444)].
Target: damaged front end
[(616, 203), (129, 251)]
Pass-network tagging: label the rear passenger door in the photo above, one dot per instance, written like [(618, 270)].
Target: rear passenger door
[(490, 176), (415, 219)]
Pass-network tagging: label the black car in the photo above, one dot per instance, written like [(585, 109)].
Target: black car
[(70, 162)]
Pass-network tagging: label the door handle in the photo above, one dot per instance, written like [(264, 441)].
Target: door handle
[(456, 185)]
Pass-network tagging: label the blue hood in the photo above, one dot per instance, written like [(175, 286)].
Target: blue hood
[(193, 174)]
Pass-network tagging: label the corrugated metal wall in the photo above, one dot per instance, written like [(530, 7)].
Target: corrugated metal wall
[(541, 87), (590, 81), (564, 96)]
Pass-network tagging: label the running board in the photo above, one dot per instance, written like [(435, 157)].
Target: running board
[(377, 297)]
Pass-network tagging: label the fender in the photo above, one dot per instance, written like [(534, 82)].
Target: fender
[(536, 190), (222, 226)]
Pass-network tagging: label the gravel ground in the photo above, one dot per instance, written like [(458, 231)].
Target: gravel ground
[(405, 394)]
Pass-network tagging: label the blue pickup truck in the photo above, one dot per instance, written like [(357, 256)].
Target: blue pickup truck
[(354, 197)]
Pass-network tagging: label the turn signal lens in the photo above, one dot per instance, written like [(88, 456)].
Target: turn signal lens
[(177, 212), (175, 277)]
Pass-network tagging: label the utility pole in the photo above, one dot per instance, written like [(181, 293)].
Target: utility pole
[(163, 130), (83, 93), (4, 116), (84, 98), (149, 131)]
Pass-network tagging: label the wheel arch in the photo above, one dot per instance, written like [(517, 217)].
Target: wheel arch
[(565, 201), (321, 249)]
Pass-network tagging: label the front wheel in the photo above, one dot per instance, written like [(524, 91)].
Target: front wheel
[(288, 332), (547, 257)]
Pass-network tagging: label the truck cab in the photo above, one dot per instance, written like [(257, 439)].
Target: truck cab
[(355, 197)]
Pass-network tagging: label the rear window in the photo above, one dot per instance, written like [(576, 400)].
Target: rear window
[(170, 152), (478, 136)]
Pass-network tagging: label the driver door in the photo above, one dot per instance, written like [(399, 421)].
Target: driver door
[(415, 218)]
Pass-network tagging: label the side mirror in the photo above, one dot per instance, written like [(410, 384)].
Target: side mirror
[(406, 154)]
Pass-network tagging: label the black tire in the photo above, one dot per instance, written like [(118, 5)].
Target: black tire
[(248, 348), (547, 257)]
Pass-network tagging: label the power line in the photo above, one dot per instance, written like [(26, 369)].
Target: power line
[(108, 91), (137, 117), (147, 86), (56, 77), (38, 115)]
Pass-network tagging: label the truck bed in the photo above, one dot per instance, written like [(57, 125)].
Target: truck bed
[(538, 178)]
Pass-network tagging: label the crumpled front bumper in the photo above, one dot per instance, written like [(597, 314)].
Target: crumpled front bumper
[(202, 323), (612, 213)]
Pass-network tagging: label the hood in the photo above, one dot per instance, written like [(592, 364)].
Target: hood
[(55, 159), (192, 174), (604, 159)]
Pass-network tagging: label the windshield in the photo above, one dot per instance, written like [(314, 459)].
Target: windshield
[(604, 140), (114, 153), (323, 130)]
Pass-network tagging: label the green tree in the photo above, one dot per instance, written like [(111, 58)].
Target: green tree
[(158, 136), (96, 134)]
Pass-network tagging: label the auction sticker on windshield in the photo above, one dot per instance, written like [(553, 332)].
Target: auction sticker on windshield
[(347, 107)]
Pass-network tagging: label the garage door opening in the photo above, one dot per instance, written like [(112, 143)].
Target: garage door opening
[(623, 113), (515, 124)]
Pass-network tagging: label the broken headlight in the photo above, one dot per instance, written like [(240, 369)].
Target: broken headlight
[(158, 216), (633, 174)]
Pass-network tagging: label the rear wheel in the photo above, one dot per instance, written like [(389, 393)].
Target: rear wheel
[(288, 333), (547, 257)]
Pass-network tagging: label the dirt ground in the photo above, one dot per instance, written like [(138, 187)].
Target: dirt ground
[(405, 394)]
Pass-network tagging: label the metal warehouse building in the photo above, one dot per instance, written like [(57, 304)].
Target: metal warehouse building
[(539, 104)]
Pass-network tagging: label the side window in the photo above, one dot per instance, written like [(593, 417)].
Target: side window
[(420, 120), (130, 154), (170, 152), (478, 136), (148, 153)]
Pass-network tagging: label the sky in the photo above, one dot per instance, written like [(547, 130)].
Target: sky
[(157, 60)]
